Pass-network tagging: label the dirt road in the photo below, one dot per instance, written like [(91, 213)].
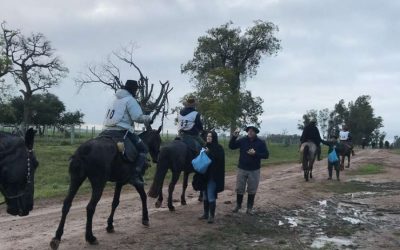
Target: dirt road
[(360, 212)]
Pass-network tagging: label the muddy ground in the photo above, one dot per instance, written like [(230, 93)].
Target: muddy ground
[(359, 212)]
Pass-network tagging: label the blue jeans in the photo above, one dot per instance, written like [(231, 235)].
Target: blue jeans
[(210, 193)]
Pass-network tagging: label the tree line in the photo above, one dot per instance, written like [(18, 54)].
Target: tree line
[(46, 110), (358, 115)]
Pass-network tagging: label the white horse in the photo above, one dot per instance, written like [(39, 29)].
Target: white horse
[(309, 153)]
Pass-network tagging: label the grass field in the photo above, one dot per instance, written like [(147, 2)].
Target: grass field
[(367, 169), (52, 178)]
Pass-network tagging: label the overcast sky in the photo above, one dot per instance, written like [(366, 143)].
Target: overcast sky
[(332, 50)]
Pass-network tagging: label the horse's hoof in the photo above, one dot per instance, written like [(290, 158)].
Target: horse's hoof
[(54, 244), (158, 204), (171, 208), (110, 230), (347, 166), (146, 223), (183, 203), (93, 241)]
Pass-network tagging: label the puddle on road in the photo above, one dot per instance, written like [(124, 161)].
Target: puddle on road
[(322, 241), (333, 222)]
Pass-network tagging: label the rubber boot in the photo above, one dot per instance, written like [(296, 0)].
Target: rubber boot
[(239, 200), (206, 206), (250, 204), (212, 212), (137, 178)]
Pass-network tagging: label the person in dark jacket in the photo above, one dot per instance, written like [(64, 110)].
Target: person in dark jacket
[(189, 122), (214, 177), (333, 145), (311, 133), (252, 150)]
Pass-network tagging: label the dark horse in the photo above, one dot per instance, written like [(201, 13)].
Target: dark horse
[(17, 170), (344, 151), (309, 152), (100, 161), (176, 156)]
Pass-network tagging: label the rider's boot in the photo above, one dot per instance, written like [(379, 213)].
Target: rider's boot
[(137, 178)]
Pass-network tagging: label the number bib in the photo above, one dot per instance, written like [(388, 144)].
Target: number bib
[(187, 122), (344, 135), (115, 112)]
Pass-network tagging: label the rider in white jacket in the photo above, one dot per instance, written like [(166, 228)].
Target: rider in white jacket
[(121, 115), (346, 138)]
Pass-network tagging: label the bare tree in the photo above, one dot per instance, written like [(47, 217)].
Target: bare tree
[(108, 74), (34, 64)]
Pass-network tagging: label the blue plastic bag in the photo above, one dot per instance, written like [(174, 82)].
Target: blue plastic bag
[(332, 156), (201, 162)]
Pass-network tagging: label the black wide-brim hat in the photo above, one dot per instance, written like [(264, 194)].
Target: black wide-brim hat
[(253, 128)]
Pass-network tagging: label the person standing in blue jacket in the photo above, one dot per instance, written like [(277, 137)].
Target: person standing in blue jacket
[(333, 144), (252, 150)]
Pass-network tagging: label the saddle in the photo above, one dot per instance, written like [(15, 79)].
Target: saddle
[(193, 145), (125, 146)]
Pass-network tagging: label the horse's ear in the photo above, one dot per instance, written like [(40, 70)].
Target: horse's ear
[(159, 129), (29, 138)]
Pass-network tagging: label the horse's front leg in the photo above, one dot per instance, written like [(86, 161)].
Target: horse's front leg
[(174, 180), (143, 197), (115, 203), (184, 187), (97, 191)]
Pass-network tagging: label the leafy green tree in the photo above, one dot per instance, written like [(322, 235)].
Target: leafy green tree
[(46, 109), (71, 118), (227, 56), (337, 117), (5, 62), (323, 121), (307, 118), (7, 114), (361, 118)]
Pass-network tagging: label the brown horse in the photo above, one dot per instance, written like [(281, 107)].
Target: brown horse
[(309, 153), (344, 151)]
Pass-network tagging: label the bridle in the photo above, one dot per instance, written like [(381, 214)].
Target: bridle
[(28, 179)]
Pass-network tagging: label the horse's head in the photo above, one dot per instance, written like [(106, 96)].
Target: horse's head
[(152, 139), (17, 169)]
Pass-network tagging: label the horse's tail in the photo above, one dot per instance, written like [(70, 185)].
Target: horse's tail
[(306, 152), (77, 161), (161, 171)]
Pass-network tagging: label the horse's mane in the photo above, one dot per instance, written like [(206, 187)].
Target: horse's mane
[(9, 142)]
